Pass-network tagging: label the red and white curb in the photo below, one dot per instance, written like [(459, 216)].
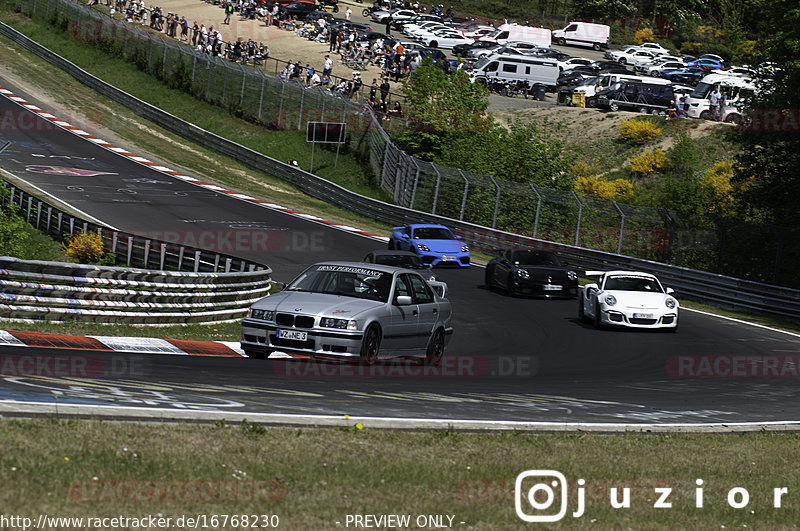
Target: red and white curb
[(155, 166), (140, 345)]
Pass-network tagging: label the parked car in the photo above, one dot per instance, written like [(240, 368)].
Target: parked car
[(687, 76), (628, 299), (444, 39), (351, 310), (463, 49), (706, 64), (531, 272), (657, 70), (298, 9), (637, 96), (572, 62), (434, 244)]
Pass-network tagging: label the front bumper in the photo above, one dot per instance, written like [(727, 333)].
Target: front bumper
[(261, 336), (615, 317), (545, 289), (450, 259)]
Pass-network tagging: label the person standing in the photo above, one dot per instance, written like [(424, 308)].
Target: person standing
[(385, 87), (373, 90), (713, 103), (348, 13), (723, 102), (328, 67), (389, 25), (228, 13)]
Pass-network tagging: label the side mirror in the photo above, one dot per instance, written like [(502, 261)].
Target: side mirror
[(591, 287), (405, 236), (458, 237), (404, 300), (670, 291), (278, 286)]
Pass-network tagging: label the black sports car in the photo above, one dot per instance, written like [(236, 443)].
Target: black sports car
[(531, 272), (405, 259)]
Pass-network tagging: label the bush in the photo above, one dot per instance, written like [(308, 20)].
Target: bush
[(86, 248), (643, 35), (648, 162), (592, 185), (638, 131)]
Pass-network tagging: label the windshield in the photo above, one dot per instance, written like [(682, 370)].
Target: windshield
[(534, 258), (701, 90), (411, 261), (347, 281), (620, 283), (433, 233)]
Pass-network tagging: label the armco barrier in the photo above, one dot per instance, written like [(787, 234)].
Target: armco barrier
[(55, 291), (705, 287)]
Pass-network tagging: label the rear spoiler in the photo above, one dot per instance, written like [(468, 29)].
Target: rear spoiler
[(439, 287), (594, 273)]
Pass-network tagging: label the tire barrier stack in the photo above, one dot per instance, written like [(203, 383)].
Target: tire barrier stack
[(33, 291)]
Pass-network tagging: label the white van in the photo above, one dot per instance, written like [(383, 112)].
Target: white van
[(583, 34), (515, 32), (738, 90), (513, 68), (604, 81)]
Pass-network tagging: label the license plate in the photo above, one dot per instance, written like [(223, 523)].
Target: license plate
[(552, 287), (643, 316), (448, 258), (295, 335)]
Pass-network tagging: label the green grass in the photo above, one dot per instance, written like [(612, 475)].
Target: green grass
[(315, 477)]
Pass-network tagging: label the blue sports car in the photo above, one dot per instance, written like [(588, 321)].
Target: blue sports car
[(434, 244)]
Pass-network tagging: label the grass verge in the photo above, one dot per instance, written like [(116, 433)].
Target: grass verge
[(104, 469)]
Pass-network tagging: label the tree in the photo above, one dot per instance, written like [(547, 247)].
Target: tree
[(771, 147)]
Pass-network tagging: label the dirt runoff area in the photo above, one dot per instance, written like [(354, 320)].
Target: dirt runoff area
[(283, 45)]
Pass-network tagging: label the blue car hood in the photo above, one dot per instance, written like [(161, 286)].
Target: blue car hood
[(442, 246)]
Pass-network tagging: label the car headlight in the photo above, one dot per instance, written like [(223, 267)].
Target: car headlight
[(341, 324), (465, 248), (265, 315), (610, 300), (670, 302), (521, 273), (424, 248), (572, 275)]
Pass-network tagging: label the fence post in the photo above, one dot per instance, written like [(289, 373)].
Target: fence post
[(163, 256), (436, 190), (261, 96), (196, 261), (302, 102), (280, 106), (580, 214), (464, 198), (496, 201), (208, 78), (225, 85), (194, 66), (244, 83), (150, 56), (130, 249), (538, 210), (416, 183), (39, 216), (671, 234), (164, 65), (227, 265), (147, 244), (180, 257), (322, 115), (621, 227)]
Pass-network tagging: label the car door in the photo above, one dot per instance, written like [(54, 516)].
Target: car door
[(428, 309), (404, 244), (404, 320), (501, 269)]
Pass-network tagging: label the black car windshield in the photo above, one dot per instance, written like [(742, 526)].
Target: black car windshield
[(410, 261), (534, 258), (347, 281), (433, 233), (620, 283)]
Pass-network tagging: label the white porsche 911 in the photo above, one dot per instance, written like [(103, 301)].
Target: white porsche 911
[(628, 298)]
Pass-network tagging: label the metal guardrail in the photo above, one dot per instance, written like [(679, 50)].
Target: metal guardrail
[(705, 287), (33, 290)]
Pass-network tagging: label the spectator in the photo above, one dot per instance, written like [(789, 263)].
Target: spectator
[(228, 13), (373, 90), (328, 67), (723, 102), (348, 13), (384, 90), (389, 25), (713, 103)]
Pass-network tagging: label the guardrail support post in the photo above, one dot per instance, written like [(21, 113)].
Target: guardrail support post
[(130, 249), (216, 262), (39, 213), (146, 252), (196, 261), (180, 257), (227, 265), (114, 239), (621, 227), (580, 214), (464, 197), (163, 256), (538, 210)]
